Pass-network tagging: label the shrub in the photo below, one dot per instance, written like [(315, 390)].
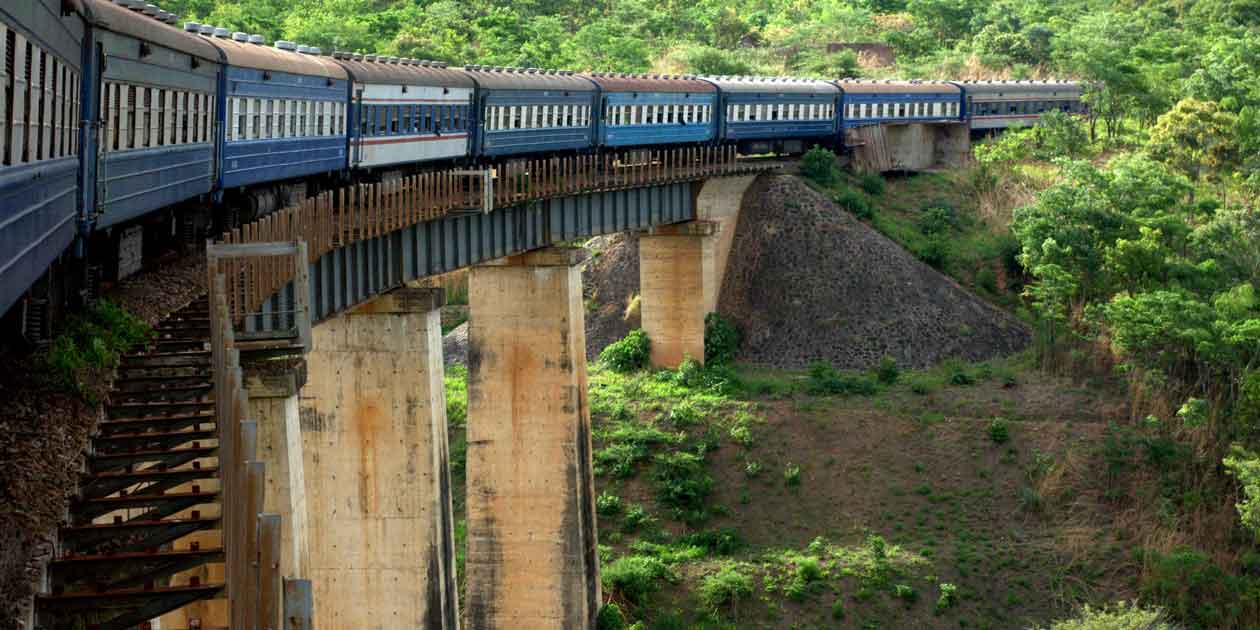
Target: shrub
[(986, 279), (872, 184), (854, 202), (887, 372), (607, 504), (742, 435), (681, 481), (725, 589), (905, 592), (934, 253), (948, 598), (819, 166), (825, 379), (752, 468), (999, 431), (958, 374), (721, 340), (683, 414), (792, 475), (636, 516), (937, 220), (94, 339), (629, 354), (723, 542), (634, 577), (610, 618), (1122, 616)]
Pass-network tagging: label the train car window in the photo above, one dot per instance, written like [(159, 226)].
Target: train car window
[(395, 124), (406, 119), (427, 112), (185, 112)]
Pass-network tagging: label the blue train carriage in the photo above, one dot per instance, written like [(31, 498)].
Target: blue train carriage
[(529, 111), (152, 100), (637, 109), (40, 79), (1002, 104), (776, 115), (405, 111), (283, 112), (894, 102)]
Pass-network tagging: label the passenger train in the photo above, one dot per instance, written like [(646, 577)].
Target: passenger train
[(121, 130)]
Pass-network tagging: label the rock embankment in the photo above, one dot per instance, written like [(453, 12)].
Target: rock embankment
[(807, 281)]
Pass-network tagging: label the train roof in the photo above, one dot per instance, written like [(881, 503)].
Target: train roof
[(787, 85), (1015, 87), (626, 82), (395, 70), (145, 21), (497, 78), (244, 51), (852, 86)]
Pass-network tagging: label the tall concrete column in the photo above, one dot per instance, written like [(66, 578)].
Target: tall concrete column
[(373, 422), (678, 286), (532, 562), (273, 388)]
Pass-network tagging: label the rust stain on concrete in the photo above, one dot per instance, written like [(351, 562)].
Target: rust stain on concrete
[(368, 419)]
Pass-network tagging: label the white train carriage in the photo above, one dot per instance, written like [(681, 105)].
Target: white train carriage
[(406, 111)]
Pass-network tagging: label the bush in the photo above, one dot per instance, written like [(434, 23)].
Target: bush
[(825, 379), (819, 166), (887, 372), (792, 475), (636, 516), (948, 598), (629, 354), (723, 542), (721, 340), (610, 618), (934, 253), (937, 220), (872, 184), (681, 481), (607, 504), (1122, 616), (906, 593), (999, 431), (635, 577), (987, 280), (854, 202), (726, 589), (94, 339)]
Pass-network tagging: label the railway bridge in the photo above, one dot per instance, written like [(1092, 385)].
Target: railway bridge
[(333, 503)]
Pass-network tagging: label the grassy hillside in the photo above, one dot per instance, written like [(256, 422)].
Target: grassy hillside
[(931, 499)]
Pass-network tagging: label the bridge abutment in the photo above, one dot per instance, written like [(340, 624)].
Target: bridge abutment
[(532, 560), (378, 498), (678, 286)]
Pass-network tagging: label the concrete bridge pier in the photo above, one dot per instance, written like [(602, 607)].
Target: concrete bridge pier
[(532, 561), (273, 389), (375, 457), (679, 278)]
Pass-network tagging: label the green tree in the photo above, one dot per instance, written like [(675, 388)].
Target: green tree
[(606, 45), (1195, 138)]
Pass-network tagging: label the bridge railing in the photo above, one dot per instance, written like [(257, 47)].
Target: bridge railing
[(257, 592), (355, 213)]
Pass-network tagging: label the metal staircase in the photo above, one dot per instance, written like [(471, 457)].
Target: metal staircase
[(151, 480)]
